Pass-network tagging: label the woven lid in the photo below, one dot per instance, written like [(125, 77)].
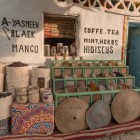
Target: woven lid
[(98, 115), (70, 115), (126, 106)]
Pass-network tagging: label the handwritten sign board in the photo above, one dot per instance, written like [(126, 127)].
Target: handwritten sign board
[(22, 39), (101, 36)]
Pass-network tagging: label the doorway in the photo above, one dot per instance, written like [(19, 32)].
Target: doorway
[(133, 51)]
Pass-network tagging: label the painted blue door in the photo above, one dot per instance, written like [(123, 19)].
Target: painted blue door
[(134, 54)]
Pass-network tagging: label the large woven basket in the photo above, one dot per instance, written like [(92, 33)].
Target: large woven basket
[(6, 100), (70, 115), (17, 82), (34, 82), (17, 70), (5, 126), (98, 115), (41, 72), (126, 106)]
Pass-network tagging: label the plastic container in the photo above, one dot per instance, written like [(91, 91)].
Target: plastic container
[(46, 96)]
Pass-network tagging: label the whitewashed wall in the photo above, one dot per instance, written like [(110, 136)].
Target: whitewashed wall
[(18, 11), (14, 37)]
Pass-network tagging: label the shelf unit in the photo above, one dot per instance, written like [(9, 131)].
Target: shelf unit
[(60, 29), (68, 75)]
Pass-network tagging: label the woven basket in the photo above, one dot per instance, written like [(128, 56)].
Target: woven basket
[(98, 115), (41, 72), (1, 82), (5, 105), (126, 106), (33, 95), (21, 95), (5, 126), (17, 70), (17, 82), (70, 115), (34, 82)]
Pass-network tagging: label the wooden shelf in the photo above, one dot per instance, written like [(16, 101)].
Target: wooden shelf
[(59, 25)]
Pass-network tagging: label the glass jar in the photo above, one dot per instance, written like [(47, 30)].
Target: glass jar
[(47, 50), (61, 50), (66, 50), (53, 51), (59, 45)]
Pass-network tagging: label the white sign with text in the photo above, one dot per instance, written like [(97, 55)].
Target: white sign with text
[(101, 36), (21, 39)]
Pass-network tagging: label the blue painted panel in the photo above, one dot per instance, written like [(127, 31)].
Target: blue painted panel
[(134, 54), (132, 24)]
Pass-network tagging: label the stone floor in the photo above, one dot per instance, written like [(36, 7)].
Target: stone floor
[(125, 136)]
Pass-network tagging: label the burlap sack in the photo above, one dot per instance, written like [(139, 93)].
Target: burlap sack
[(98, 115), (33, 96), (6, 100), (17, 70), (126, 106), (45, 84), (41, 72), (21, 91), (70, 115), (21, 95), (17, 82)]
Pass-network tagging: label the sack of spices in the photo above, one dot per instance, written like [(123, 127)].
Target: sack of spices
[(17, 68), (33, 95), (17, 76), (21, 95), (6, 100)]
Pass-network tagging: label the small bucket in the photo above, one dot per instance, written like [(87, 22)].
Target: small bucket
[(6, 100), (5, 127)]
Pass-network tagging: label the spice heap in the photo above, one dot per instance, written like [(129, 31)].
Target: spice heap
[(82, 87), (71, 88), (5, 94), (93, 87), (17, 64)]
